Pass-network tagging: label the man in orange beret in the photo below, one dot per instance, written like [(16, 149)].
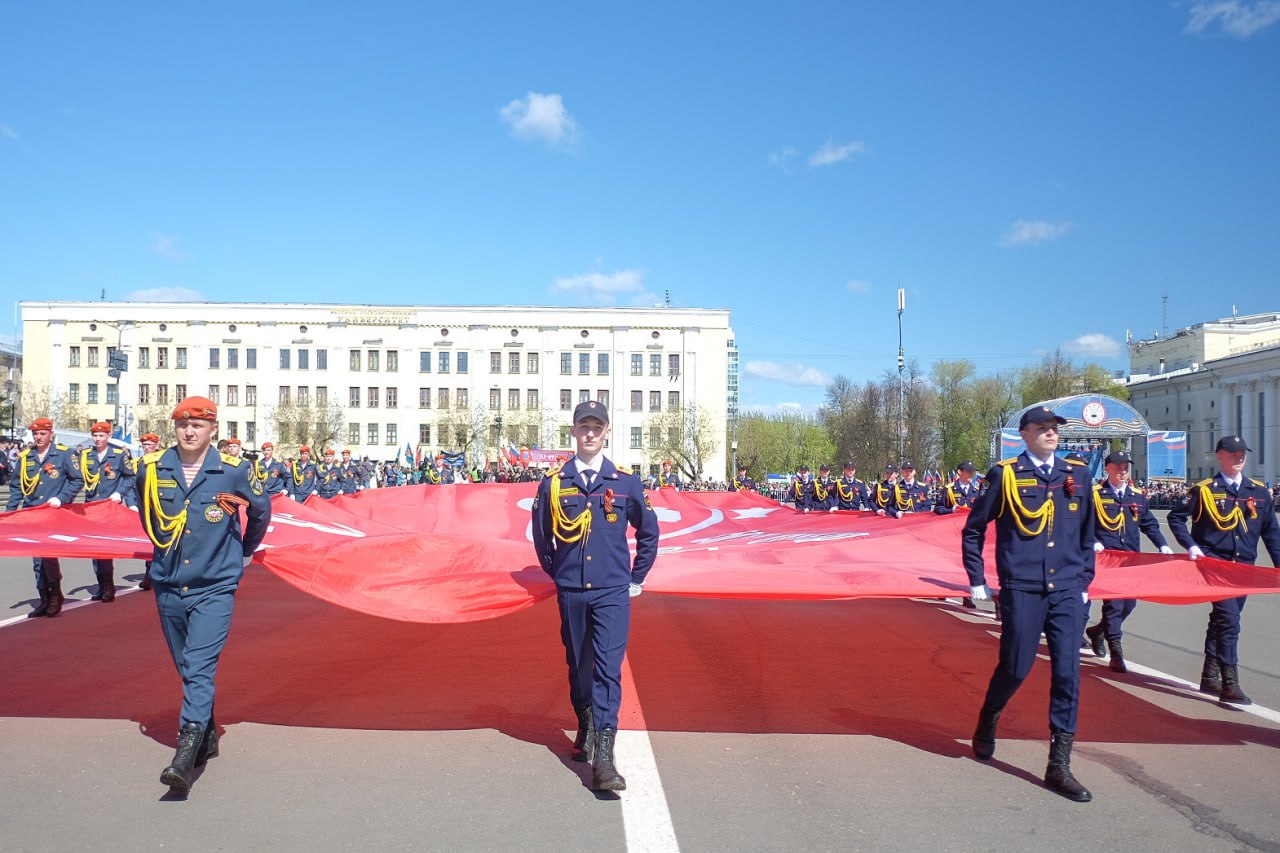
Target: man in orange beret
[(46, 477), (304, 476), (350, 473), (233, 446), (190, 509), (107, 474), (330, 485), (271, 472)]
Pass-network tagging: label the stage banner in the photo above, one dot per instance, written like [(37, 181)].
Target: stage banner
[(1167, 455)]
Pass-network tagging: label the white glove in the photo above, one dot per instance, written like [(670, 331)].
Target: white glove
[(634, 589), (1084, 596), (981, 592), (1194, 552), (248, 560), (880, 512), (832, 509), (54, 502), (133, 508), (1165, 549), (114, 497), (1099, 547)]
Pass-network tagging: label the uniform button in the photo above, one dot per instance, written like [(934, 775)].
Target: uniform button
[(186, 562), (588, 586), (588, 556), (186, 533), (186, 503), (1051, 586), (185, 589), (1051, 571), (1050, 544)]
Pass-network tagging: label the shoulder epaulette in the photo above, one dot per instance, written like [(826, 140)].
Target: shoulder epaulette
[(1076, 462), (1009, 461), (1257, 482), (233, 461), (153, 457), (1204, 482), (1137, 490), (61, 447)]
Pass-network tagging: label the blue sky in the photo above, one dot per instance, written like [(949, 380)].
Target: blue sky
[(1034, 175)]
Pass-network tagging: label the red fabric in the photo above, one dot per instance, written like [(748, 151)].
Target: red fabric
[(463, 553)]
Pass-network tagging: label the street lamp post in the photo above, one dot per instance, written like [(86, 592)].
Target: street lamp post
[(117, 363), (498, 426)]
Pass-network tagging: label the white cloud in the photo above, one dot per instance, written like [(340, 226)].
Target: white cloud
[(542, 117), (859, 287), (601, 289), (782, 159), (831, 153), (165, 246), (1030, 232), (165, 294), (1094, 345), (788, 374), (1236, 19)]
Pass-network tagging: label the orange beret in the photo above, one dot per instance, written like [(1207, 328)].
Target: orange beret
[(151, 436), (234, 441), (41, 423), (346, 451), (195, 408), (267, 444), (328, 451), (306, 448), (101, 426)]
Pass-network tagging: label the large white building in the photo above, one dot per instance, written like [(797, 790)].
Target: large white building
[(385, 377), (1214, 379)]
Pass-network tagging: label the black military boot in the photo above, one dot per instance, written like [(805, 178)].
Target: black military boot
[(1096, 641), (42, 608), (54, 591), (1211, 676), (584, 743), (1117, 656), (145, 583), (1231, 692), (604, 776), (1057, 776), (178, 774), (106, 587), (209, 743), (984, 737)]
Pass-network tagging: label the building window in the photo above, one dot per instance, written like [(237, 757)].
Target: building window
[(393, 398), (353, 397), (495, 362), (251, 358), (584, 396), (393, 361), (322, 359), (373, 434), (602, 363), (372, 397), (513, 398), (637, 438), (655, 364), (531, 399), (182, 358), (673, 365), (251, 431), (93, 357), (655, 437), (461, 400), (233, 358), (424, 398), (371, 360), (353, 433), (495, 399), (215, 357), (566, 399), (283, 395), (637, 364), (162, 395), (162, 358), (603, 397), (75, 357), (392, 435), (532, 363), (655, 401), (566, 363), (584, 363), (233, 395), (673, 400), (442, 398), (637, 401), (564, 436), (424, 434), (179, 392), (513, 362), (251, 395), (304, 359), (322, 396), (73, 392), (144, 395), (424, 361), (355, 360), (214, 395), (113, 394), (463, 363), (285, 356), (304, 395), (233, 429), (442, 363), (673, 436), (144, 357)]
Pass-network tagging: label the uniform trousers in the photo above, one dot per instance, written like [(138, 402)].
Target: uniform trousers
[(1222, 638), (195, 626), (1059, 614), (47, 569), (594, 624), (1114, 612)]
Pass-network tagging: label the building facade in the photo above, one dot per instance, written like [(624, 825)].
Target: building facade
[(1214, 379), (11, 388), (386, 381)]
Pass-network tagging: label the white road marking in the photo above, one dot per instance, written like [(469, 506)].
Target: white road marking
[(646, 818)]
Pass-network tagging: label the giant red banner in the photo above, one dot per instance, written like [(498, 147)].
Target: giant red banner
[(463, 553)]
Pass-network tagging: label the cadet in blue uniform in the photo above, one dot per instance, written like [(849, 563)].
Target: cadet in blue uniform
[(667, 477), (742, 483), (1229, 515), (961, 493), (107, 474), (271, 472), (884, 495), (45, 476), (190, 501), (802, 489), (822, 491), (304, 477), (580, 519), (330, 477), (851, 493), (1045, 561), (1121, 513), (350, 474), (913, 496)]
